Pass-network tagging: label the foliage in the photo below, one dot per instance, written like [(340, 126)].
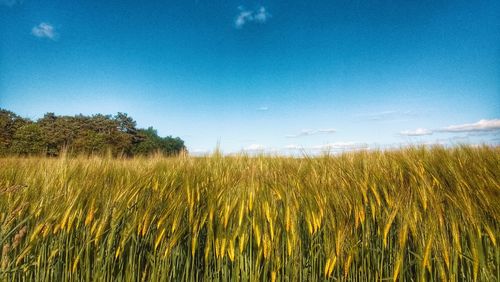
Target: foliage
[(28, 140), (152, 143), (416, 214), (9, 124), (88, 135)]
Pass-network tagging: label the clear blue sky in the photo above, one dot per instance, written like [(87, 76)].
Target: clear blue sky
[(261, 74)]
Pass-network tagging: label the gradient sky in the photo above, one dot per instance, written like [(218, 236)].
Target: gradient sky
[(273, 75)]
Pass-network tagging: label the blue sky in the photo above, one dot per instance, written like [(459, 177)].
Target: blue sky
[(275, 75)]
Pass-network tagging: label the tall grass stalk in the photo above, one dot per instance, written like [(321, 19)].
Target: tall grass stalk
[(411, 214)]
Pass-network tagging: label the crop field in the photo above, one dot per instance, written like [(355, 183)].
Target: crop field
[(413, 214)]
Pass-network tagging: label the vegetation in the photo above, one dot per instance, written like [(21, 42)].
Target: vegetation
[(89, 135), (416, 214)]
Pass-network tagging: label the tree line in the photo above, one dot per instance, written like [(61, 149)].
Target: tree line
[(80, 134)]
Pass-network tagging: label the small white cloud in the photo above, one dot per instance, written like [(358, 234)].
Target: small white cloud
[(416, 132), (293, 147), (341, 146), (328, 130), (44, 30), (263, 109), (482, 125), (304, 132), (386, 115), (254, 147), (242, 18), (261, 15), (336, 146), (10, 3), (309, 132)]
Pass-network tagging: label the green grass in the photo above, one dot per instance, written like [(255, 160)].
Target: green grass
[(415, 214)]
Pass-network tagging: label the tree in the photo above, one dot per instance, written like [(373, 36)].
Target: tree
[(9, 124), (149, 144), (28, 140), (90, 142), (82, 134), (51, 134), (125, 123), (152, 143)]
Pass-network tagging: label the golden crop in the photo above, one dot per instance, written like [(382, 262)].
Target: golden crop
[(410, 214)]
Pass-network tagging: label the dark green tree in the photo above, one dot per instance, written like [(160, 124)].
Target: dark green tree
[(28, 140), (9, 124), (80, 134), (152, 143)]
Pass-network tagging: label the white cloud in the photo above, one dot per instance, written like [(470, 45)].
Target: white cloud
[(482, 125), (10, 3), (309, 132), (263, 109), (242, 18), (261, 15), (387, 115), (254, 147), (329, 130), (416, 132), (341, 146), (304, 132), (336, 146), (293, 147), (44, 30)]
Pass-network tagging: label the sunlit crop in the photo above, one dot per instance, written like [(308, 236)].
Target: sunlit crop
[(414, 214)]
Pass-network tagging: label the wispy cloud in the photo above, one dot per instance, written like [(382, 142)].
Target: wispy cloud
[(335, 146), (387, 115), (44, 30), (263, 109), (254, 147), (294, 147), (416, 132), (341, 146), (10, 3), (309, 132), (260, 15), (482, 125)]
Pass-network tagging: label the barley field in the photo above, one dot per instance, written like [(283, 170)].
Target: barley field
[(413, 214)]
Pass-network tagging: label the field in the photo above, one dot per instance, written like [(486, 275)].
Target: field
[(414, 214)]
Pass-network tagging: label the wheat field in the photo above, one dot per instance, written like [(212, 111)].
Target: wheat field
[(413, 214)]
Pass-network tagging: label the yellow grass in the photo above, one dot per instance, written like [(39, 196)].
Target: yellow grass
[(411, 214)]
